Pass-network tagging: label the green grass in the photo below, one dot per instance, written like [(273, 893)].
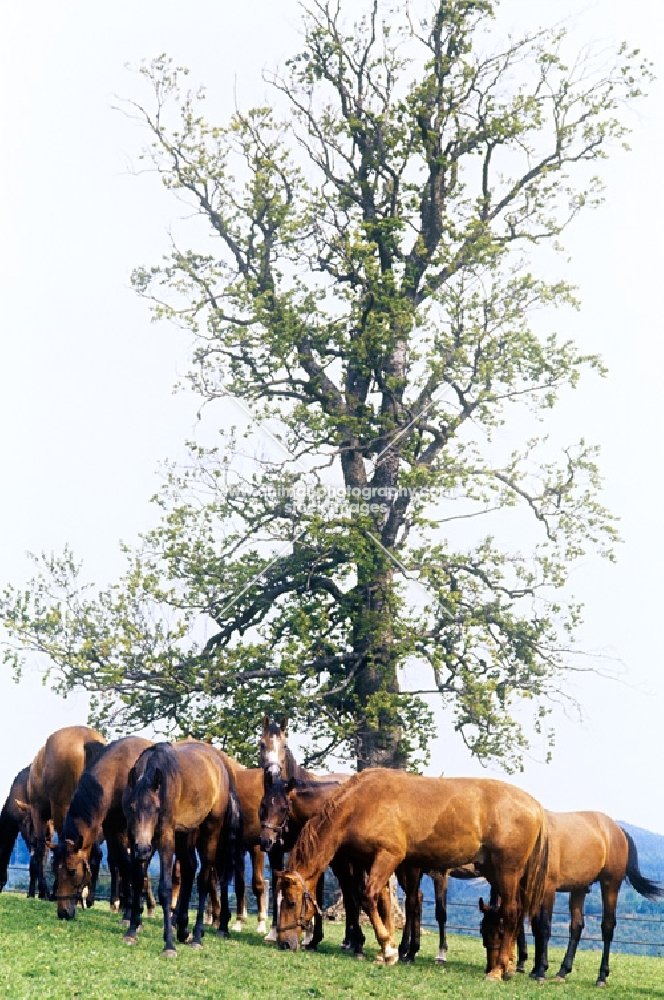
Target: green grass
[(43, 957)]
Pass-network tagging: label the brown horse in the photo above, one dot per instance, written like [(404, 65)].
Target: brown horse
[(285, 808), (52, 780), (249, 787), (389, 817), (184, 790), (288, 805), (584, 847), (14, 820), (95, 813)]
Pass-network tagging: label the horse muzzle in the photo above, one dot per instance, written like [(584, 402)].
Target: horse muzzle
[(142, 852), (267, 842), (67, 912), (289, 944)]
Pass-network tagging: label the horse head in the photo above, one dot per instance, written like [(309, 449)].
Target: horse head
[(274, 813), (491, 929), (273, 749), (71, 868), (141, 804), (297, 907)]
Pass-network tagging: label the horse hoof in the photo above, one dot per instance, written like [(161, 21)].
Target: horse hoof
[(151, 914), (115, 907), (441, 958), (360, 956), (495, 976), (130, 939), (195, 945), (559, 979), (237, 926), (222, 933), (261, 927), (345, 946), (390, 956), (520, 967), (271, 935), (169, 953), (601, 982), (407, 959)]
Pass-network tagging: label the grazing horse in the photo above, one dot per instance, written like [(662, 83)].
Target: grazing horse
[(288, 805), (391, 817), (52, 780), (13, 821), (182, 791), (285, 807), (95, 813), (584, 847)]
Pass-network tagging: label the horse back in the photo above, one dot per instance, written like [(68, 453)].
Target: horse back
[(202, 787)]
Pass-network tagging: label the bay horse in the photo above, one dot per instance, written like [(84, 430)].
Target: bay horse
[(277, 762), (584, 847), (52, 780), (249, 787), (390, 816), (181, 800), (94, 814), (14, 820)]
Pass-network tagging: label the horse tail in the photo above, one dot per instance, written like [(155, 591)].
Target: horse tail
[(534, 879), (644, 886), (232, 847)]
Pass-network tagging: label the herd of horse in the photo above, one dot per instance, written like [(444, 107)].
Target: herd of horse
[(201, 810)]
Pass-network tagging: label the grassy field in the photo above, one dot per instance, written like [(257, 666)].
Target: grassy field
[(44, 958)]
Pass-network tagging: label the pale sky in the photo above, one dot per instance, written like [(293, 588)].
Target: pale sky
[(86, 407)]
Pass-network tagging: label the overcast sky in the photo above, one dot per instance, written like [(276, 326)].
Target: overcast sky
[(86, 407)]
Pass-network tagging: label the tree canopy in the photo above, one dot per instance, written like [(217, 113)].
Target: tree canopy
[(378, 289)]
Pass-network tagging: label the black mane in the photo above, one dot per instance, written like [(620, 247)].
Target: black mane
[(84, 805)]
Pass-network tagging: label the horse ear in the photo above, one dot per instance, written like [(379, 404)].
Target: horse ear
[(284, 723), (22, 806), (157, 780), (266, 721), (482, 905), (131, 778)]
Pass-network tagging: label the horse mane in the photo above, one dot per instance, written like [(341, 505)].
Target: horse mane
[(92, 750), (84, 806), (161, 757), (307, 844)]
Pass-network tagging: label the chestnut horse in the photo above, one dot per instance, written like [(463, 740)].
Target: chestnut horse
[(95, 813), (52, 780), (288, 805), (186, 790), (584, 847), (390, 817), (13, 821), (285, 807)]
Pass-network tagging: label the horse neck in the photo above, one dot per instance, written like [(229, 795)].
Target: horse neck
[(307, 802), (294, 770), (317, 844)]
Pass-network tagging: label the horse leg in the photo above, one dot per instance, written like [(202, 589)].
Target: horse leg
[(521, 947), (34, 875), (203, 884), (440, 883), (314, 936), (542, 934), (137, 876), (576, 925), (276, 856), (609, 904), (351, 884), (507, 888), (149, 896), (382, 867), (259, 887), (213, 908), (187, 856), (409, 879)]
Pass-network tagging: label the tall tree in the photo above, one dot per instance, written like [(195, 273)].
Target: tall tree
[(371, 290)]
